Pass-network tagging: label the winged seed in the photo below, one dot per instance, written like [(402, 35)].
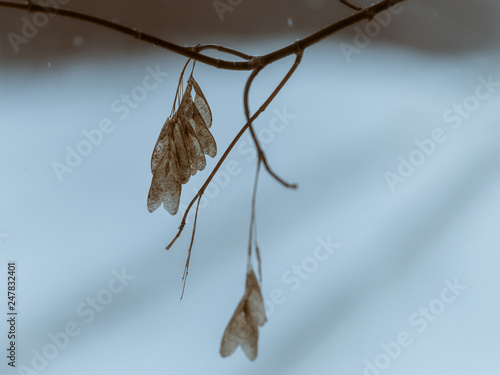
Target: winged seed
[(156, 191), (206, 139), (161, 145), (198, 161), (201, 103), (172, 194), (243, 326), (256, 313), (240, 332), (182, 156)]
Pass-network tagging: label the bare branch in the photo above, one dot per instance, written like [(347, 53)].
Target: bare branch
[(191, 52)]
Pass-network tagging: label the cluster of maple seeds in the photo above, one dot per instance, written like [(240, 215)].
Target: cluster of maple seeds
[(180, 150)]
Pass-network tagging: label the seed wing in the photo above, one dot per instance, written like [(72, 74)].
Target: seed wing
[(240, 332), (172, 195), (196, 154), (201, 103), (181, 154), (256, 313), (165, 186), (249, 345), (161, 145), (204, 136)]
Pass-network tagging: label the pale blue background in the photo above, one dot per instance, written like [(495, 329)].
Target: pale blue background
[(352, 122)]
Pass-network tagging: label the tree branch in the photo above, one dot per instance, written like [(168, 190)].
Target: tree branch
[(193, 52)]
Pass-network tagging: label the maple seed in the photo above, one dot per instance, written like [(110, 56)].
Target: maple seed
[(180, 149), (243, 326)]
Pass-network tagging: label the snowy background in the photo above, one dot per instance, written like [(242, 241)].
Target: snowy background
[(351, 120)]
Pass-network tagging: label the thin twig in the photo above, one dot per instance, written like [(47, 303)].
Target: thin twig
[(352, 6), (178, 93), (201, 47), (186, 267), (252, 216), (260, 152)]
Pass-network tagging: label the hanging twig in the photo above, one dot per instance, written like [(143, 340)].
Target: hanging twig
[(260, 152), (186, 267)]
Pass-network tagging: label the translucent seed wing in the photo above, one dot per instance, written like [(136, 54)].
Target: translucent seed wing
[(237, 332), (201, 103), (181, 154), (204, 136), (161, 145), (165, 186), (158, 185), (185, 108), (255, 310), (172, 194), (249, 345), (230, 339), (198, 161)]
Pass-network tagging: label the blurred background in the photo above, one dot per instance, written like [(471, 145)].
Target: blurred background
[(383, 261)]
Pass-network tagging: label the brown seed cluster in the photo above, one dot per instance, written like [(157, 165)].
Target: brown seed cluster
[(180, 150), (243, 326)]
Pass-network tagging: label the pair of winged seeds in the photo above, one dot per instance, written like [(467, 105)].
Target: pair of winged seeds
[(243, 326), (180, 150)]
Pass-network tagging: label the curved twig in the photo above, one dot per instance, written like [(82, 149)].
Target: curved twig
[(186, 267), (260, 152), (252, 233)]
